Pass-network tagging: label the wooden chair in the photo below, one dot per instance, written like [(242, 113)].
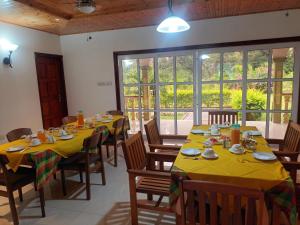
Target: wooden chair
[(220, 117), (115, 112), (69, 119), (91, 154), (115, 139), (142, 176), (290, 145), (15, 181), (17, 134), (126, 122), (155, 139), (214, 204)]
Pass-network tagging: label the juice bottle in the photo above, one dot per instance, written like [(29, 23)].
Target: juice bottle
[(80, 119), (235, 134), (42, 136)]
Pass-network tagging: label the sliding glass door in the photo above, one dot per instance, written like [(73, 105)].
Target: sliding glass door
[(180, 88)]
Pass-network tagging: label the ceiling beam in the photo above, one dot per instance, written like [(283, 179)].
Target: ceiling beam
[(47, 9)]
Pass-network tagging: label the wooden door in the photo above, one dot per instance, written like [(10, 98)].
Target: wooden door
[(51, 81)]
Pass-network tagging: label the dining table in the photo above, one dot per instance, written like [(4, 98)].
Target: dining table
[(241, 170), (45, 156)]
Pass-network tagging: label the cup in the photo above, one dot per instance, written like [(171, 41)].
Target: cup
[(214, 131), (35, 142), (51, 139), (209, 152), (214, 127), (62, 132)]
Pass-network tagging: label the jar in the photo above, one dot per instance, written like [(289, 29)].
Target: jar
[(80, 119)]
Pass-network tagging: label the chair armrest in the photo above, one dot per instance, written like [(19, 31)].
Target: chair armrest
[(162, 157), (165, 136), (147, 173), (291, 165), (292, 155), (274, 141), (164, 147)]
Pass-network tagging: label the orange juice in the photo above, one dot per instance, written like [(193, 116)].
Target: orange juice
[(41, 135), (80, 119), (235, 134)]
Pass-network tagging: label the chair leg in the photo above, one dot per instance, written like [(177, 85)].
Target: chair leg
[(87, 182), (80, 175), (54, 176), (103, 174), (42, 201), (115, 155), (133, 201), (35, 185), (12, 205), (63, 182), (107, 151), (20, 194), (149, 197)]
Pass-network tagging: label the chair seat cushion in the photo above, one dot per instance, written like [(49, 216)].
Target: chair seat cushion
[(153, 185), (22, 177)]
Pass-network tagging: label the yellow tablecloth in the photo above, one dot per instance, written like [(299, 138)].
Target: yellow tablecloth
[(241, 170), (63, 148)]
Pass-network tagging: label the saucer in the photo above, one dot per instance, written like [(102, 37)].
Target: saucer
[(34, 145), (106, 121), (234, 151), (214, 156), (197, 131), (264, 156), (15, 149), (66, 137), (190, 151)]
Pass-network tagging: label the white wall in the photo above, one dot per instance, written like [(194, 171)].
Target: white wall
[(87, 63), (19, 102)]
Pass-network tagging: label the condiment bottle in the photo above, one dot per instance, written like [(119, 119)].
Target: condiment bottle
[(80, 119), (235, 134)]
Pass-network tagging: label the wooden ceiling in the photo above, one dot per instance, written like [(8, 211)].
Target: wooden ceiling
[(61, 17)]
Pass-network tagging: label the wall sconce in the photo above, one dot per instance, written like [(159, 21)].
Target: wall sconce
[(6, 45)]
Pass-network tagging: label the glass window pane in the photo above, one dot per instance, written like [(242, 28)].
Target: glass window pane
[(166, 96), (281, 97), (257, 119), (185, 122), (232, 95), (147, 71), (283, 63), (205, 118), (184, 68), (256, 96), (131, 97), (134, 121), (278, 124), (148, 97), (211, 66), (184, 96), (233, 66), (167, 123), (147, 116), (165, 69), (210, 95), (130, 74), (257, 64)]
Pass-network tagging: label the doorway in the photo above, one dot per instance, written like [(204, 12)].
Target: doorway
[(51, 82)]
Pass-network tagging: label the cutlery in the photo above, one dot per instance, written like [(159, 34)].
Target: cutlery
[(193, 158), (25, 149)]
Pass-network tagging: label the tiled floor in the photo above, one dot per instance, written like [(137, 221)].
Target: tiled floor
[(109, 204)]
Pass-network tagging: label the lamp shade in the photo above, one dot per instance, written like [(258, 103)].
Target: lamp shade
[(87, 9), (173, 24), (6, 45)]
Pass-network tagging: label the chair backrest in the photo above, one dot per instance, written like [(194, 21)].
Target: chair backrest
[(115, 112), (92, 142), (135, 152), (69, 119), (220, 117), (292, 137), (17, 134), (225, 204), (118, 125), (152, 132)]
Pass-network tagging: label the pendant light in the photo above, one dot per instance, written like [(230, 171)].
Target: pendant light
[(172, 24)]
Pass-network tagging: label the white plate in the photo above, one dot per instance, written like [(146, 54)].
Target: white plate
[(218, 134), (198, 131), (15, 149), (66, 137), (233, 150), (34, 135), (265, 156), (223, 126), (34, 145), (190, 151), (106, 121), (214, 156)]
